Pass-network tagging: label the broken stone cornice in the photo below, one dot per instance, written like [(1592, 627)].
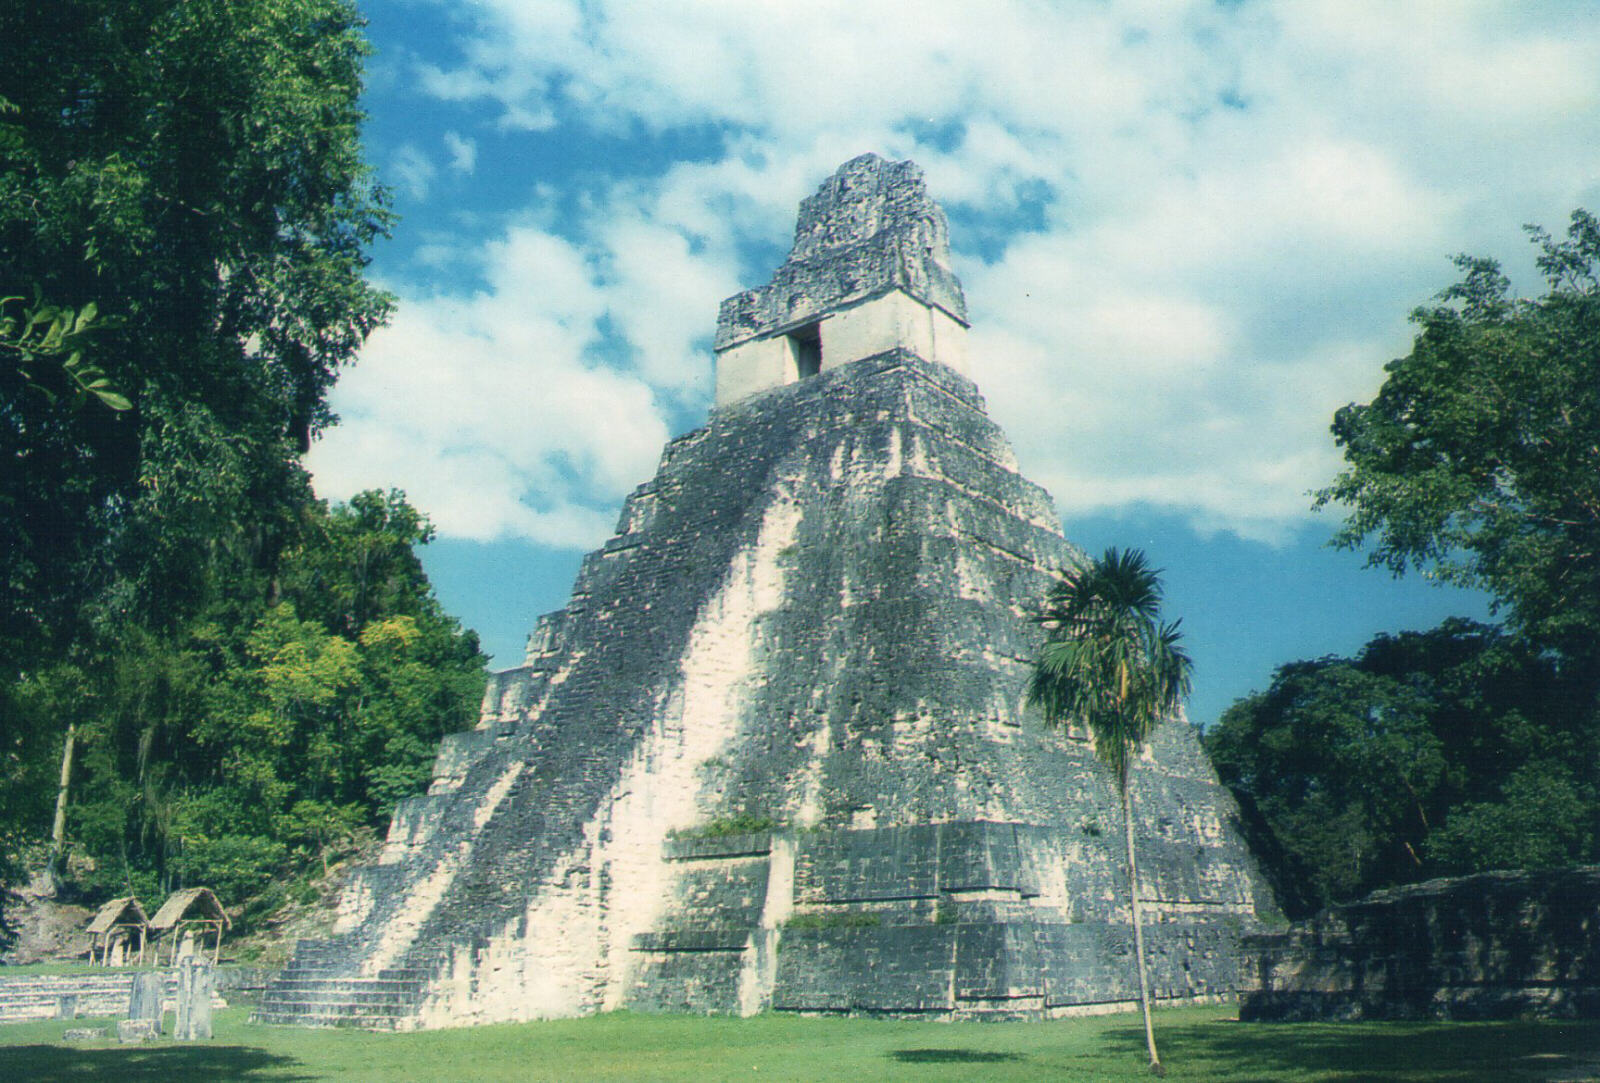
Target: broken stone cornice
[(870, 229)]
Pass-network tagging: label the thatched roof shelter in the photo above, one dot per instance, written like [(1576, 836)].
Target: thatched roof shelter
[(190, 904), (118, 924), (190, 914), (123, 911)]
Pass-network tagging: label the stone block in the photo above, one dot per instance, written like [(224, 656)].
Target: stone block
[(196, 985), (132, 1031), (145, 1000)]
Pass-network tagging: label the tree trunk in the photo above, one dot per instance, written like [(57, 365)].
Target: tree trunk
[(1138, 927), (58, 830)]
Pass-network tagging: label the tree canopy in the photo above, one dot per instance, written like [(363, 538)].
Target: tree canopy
[(191, 172), (254, 678), (1108, 662), (1467, 747), (267, 736), (1479, 460), (1450, 751)]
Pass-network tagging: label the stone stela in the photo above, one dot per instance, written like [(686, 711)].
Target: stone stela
[(773, 754)]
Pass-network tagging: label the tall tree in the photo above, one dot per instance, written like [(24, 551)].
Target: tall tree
[(1478, 463), (1110, 663), (191, 171), (1479, 460), (184, 219)]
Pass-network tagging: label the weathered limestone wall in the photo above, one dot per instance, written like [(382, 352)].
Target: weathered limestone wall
[(1493, 946), (837, 647), (895, 319), (953, 919)]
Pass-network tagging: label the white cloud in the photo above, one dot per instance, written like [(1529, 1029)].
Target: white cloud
[(463, 152), (1188, 231), (413, 169), (489, 409)]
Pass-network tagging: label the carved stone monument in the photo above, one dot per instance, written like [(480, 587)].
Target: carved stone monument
[(196, 984), (773, 754), (145, 1003)]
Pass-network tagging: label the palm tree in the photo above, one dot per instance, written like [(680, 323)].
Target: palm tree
[(1110, 663)]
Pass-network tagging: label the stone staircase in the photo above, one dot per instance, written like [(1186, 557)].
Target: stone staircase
[(315, 992)]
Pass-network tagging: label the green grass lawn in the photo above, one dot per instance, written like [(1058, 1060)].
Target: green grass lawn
[(1197, 1044)]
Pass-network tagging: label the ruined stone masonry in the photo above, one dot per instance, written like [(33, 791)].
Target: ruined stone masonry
[(773, 754), (1497, 945)]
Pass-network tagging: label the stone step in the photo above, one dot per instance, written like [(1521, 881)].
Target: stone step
[(308, 1019), (317, 996), (353, 1003), (407, 973), (340, 1005), (100, 994), (28, 997), (333, 985), (102, 977)]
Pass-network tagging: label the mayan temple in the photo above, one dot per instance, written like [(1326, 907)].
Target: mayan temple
[(773, 755)]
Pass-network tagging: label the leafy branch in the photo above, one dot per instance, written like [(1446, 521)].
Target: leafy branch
[(43, 332)]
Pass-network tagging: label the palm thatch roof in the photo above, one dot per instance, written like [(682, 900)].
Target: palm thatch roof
[(123, 911), (191, 902)]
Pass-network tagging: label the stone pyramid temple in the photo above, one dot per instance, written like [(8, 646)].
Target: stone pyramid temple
[(773, 755)]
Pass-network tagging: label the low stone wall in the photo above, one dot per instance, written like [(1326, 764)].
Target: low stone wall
[(1493, 946), (97, 994), (249, 980)]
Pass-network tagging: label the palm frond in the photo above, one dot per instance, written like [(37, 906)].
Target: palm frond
[(1108, 661)]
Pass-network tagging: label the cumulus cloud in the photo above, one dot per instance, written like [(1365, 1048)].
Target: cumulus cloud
[(1188, 231), (490, 409)]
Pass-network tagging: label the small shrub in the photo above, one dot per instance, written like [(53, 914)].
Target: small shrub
[(742, 824)]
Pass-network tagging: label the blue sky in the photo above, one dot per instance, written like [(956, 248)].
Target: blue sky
[(1188, 233)]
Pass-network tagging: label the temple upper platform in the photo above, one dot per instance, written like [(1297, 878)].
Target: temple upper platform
[(869, 272)]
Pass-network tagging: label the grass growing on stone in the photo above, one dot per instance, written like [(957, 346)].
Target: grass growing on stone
[(850, 919), (1197, 1044), (726, 827)]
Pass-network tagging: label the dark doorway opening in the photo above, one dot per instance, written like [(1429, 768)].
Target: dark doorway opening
[(806, 342)]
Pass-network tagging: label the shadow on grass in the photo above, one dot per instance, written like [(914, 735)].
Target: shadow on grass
[(952, 1056), (48, 1063), (1438, 1052)]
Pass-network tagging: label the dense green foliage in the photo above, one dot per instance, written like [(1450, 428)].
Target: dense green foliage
[(193, 171), (1479, 460), (1464, 748), (265, 735), (254, 678), (1430, 753)]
